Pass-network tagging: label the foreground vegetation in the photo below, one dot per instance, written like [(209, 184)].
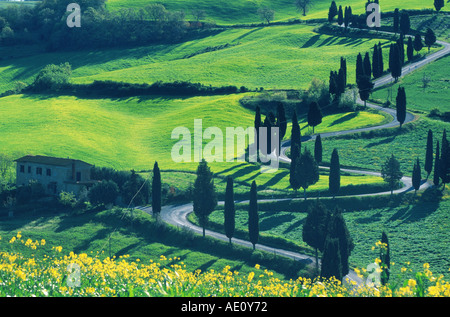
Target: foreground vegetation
[(54, 274)]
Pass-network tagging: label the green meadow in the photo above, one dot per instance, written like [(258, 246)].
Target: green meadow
[(246, 11)]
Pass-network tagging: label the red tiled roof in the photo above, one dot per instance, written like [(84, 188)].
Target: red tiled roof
[(48, 160)]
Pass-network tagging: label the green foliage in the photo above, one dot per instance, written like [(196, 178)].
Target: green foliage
[(156, 189), (104, 192), (205, 197), (391, 172), (52, 77), (253, 218), (229, 210), (335, 173)]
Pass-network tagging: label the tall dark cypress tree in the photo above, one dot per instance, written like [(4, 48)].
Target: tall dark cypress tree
[(156, 190), (396, 23), (444, 162), (318, 150), (253, 218), (437, 168), (337, 229), (416, 176), (281, 120), (380, 59), (359, 67), (375, 62), (401, 47), (205, 197), (401, 105), (315, 228), (385, 258), (343, 66), (418, 45), (258, 124), (229, 209), (295, 131), (308, 170), (410, 49), (430, 38), (340, 19), (332, 11), (314, 115), (295, 152), (429, 154), (367, 65), (395, 63), (334, 181)]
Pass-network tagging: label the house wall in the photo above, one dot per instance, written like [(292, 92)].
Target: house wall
[(59, 175)]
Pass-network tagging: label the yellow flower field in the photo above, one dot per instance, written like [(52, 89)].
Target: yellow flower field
[(81, 275)]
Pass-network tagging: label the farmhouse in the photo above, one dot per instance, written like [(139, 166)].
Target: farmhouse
[(55, 174)]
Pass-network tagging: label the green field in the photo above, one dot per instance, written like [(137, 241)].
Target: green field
[(417, 232), (280, 57), (245, 11), (422, 98)]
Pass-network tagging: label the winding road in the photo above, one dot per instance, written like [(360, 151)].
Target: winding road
[(177, 214)]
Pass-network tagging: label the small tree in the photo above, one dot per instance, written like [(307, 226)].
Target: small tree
[(303, 5), (332, 11), (253, 219), (340, 19), (444, 161), (395, 64), (365, 86), (334, 181), (314, 115), (401, 105), (205, 198), (405, 23), (266, 14), (331, 260), (156, 190), (318, 149), (430, 38), (410, 49), (229, 210), (391, 172)]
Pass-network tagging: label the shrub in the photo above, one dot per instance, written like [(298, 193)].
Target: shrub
[(104, 192), (53, 77)]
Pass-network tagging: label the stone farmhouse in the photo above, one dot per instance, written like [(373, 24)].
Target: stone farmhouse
[(55, 174)]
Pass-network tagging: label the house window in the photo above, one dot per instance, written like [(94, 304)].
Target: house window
[(49, 172), (22, 168), (78, 176), (29, 169), (38, 170)]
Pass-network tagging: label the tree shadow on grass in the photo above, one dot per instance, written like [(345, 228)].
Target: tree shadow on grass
[(274, 180), (345, 118), (383, 141), (311, 41), (416, 212), (274, 221)]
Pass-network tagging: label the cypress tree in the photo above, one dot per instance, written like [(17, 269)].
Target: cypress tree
[(437, 169), (332, 11), (295, 131), (438, 4), (269, 122), (334, 180), (340, 18), (430, 38), (337, 229), (416, 176), (418, 45), (331, 260), (314, 115), (375, 62), (344, 70), (294, 167), (156, 190), (229, 209), (444, 161), (385, 258), (308, 171), (253, 218), (429, 154), (257, 126), (365, 87), (395, 63), (396, 20), (315, 228), (341, 81), (401, 48), (405, 24), (380, 59), (367, 65), (401, 105), (205, 197), (410, 49), (318, 149), (359, 67), (281, 120)]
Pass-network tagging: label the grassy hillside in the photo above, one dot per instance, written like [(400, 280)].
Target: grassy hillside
[(421, 98), (245, 11)]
